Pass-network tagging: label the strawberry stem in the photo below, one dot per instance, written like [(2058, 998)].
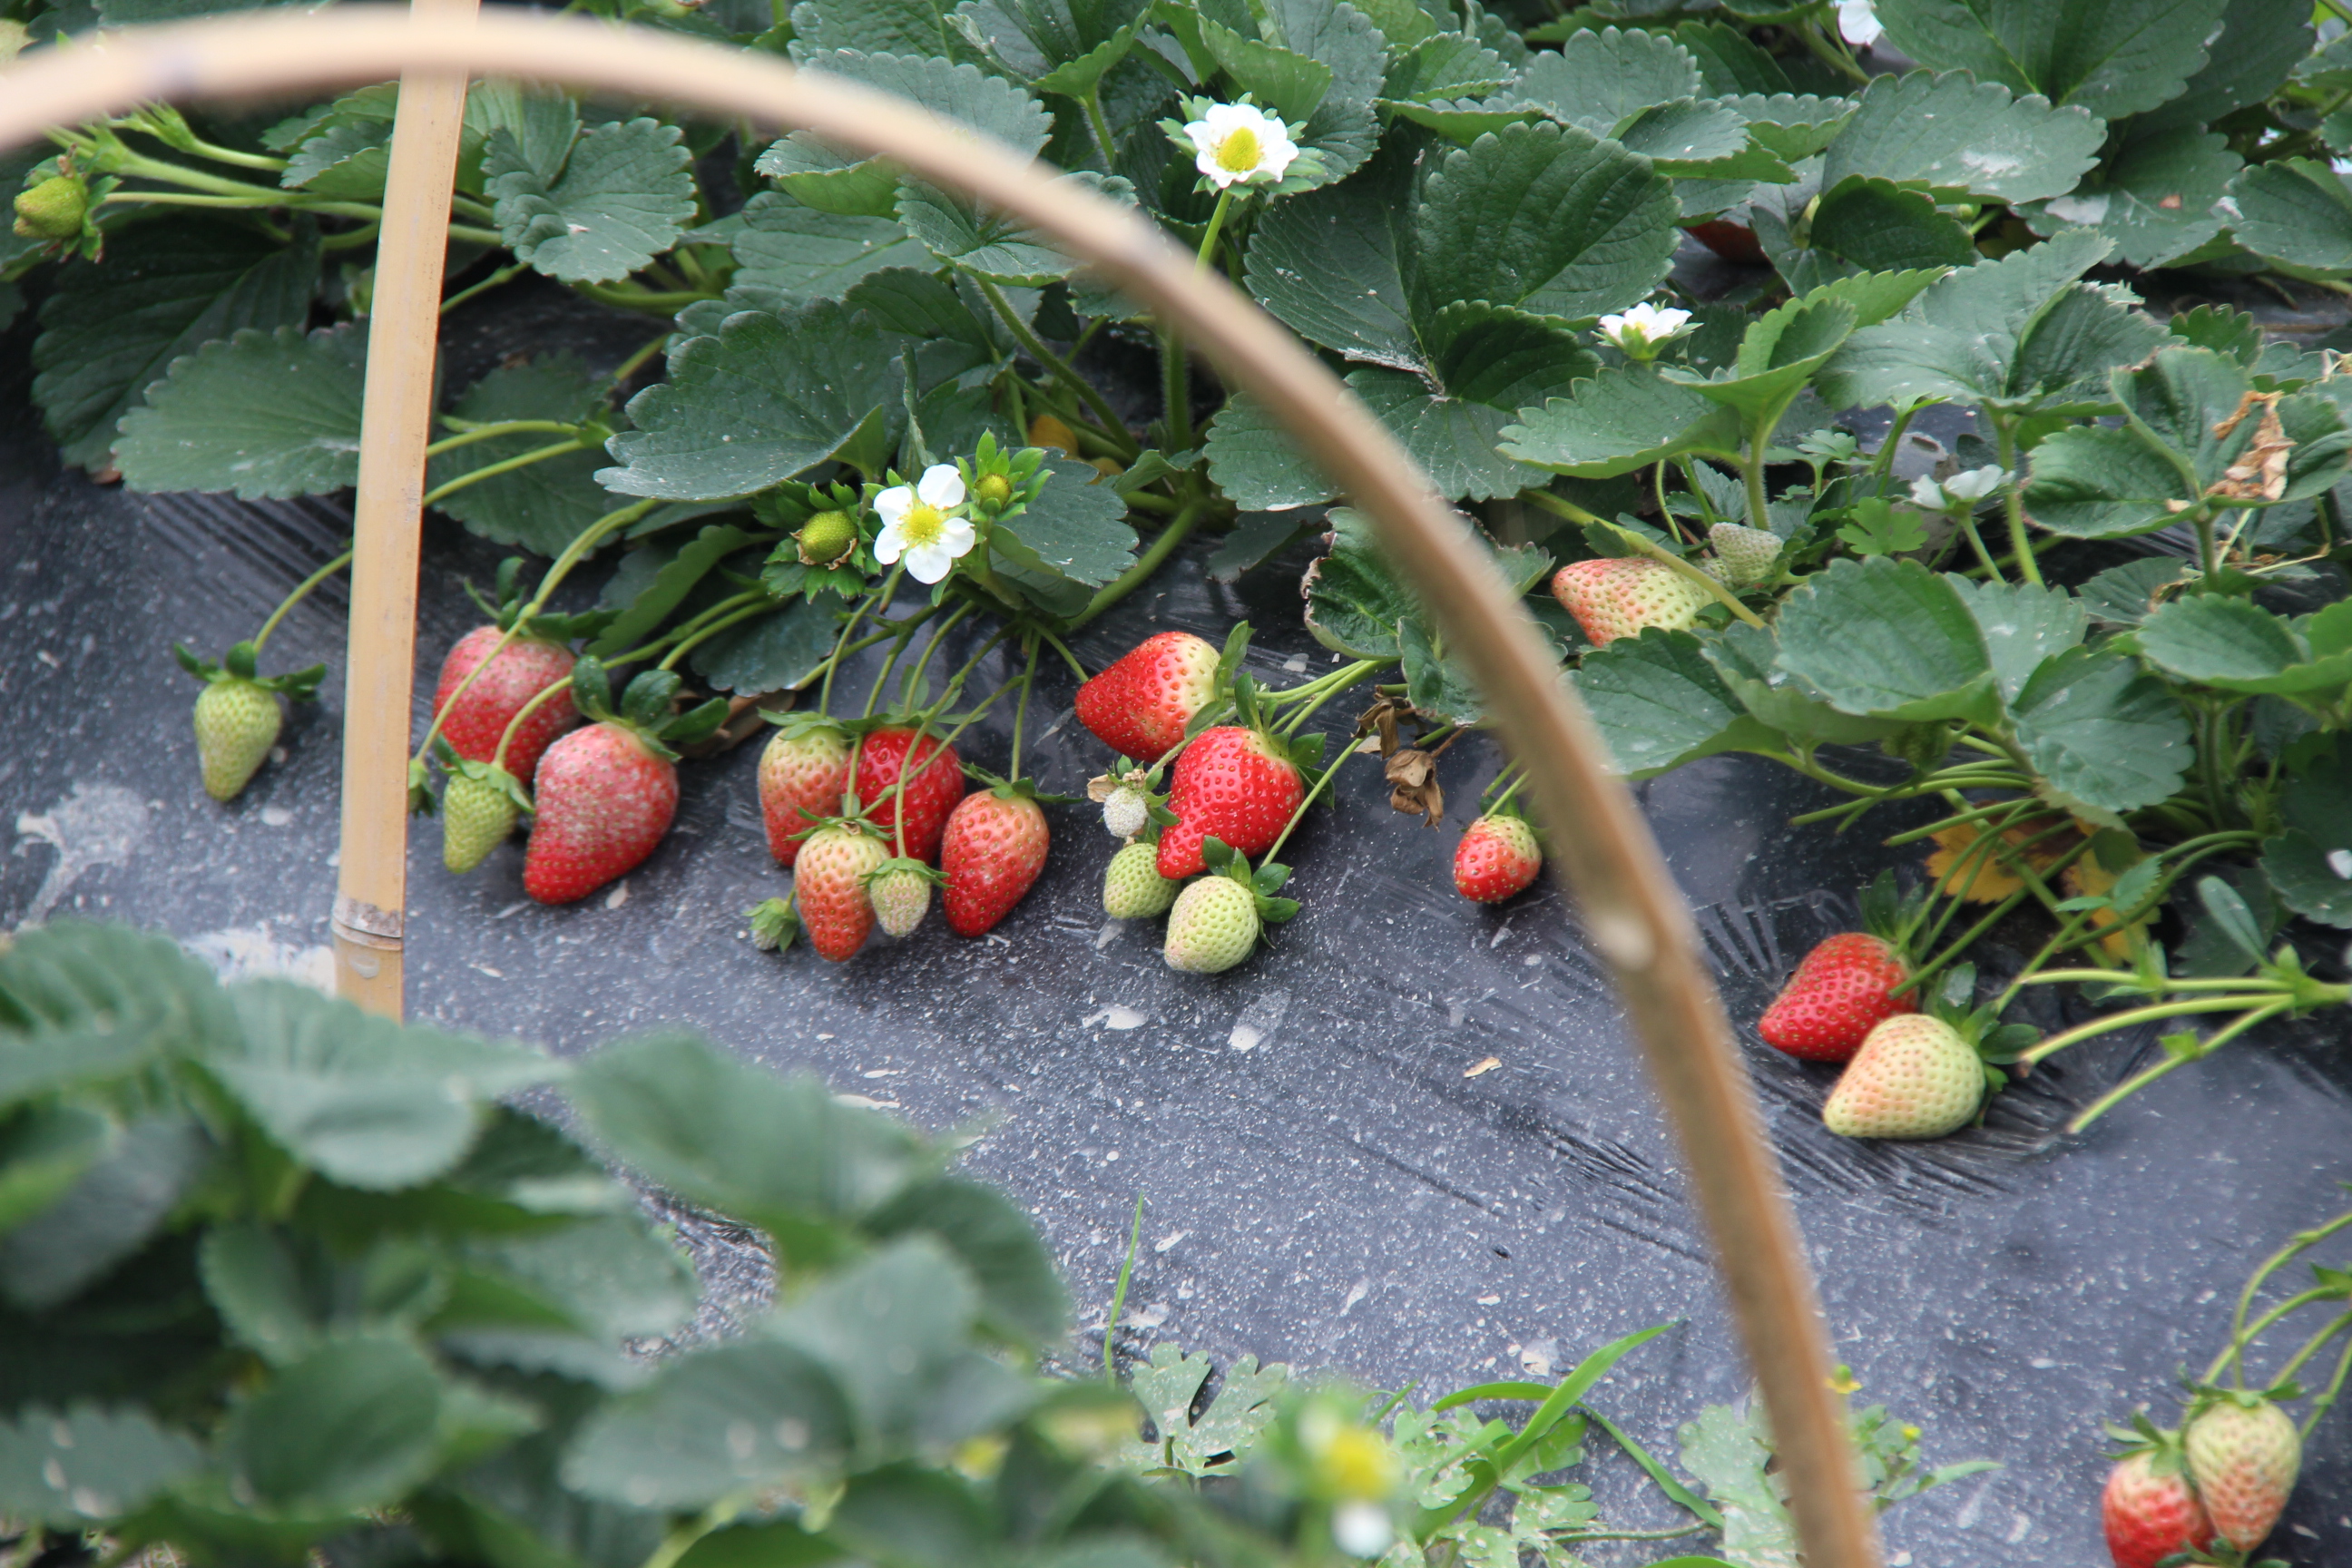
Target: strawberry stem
[(506, 737), (1021, 710), (440, 492), (301, 592), (728, 612), (2211, 1043), (840, 646), (1320, 784)]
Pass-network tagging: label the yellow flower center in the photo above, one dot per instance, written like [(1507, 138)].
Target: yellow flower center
[(1239, 152), (925, 525)]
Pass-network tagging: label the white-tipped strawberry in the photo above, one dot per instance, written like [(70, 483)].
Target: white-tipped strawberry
[(1618, 598), (1915, 1077), (901, 891), (1213, 927), (2245, 1454)]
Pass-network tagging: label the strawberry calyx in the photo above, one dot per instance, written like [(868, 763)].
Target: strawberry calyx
[(774, 924), (645, 709), (900, 863), (1265, 883), (507, 609), (1998, 1045), (2143, 1435), (827, 546), (238, 664), (491, 774)]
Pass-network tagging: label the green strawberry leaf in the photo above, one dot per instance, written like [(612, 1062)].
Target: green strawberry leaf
[(1543, 217), (107, 333), (1746, 658), (2108, 736), (2261, 44), (1791, 126), (623, 197), (265, 415), (2019, 333), (75, 1470), (782, 244), (1620, 420), (1873, 527), (1887, 638), (1691, 140), (1955, 137), (650, 604), (2235, 644), (777, 652), (1053, 46), (1440, 66), (834, 180), (2157, 198), (988, 244), (2112, 57), (915, 29), (544, 506), (1659, 703), (1599, 80), (1862, 227), (1074, 528), (1326, 265), (1777, 355), (2294, 210), (2023, 626), (766, 397)]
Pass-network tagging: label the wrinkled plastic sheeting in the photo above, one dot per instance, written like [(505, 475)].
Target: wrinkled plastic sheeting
[(1408, 1141)]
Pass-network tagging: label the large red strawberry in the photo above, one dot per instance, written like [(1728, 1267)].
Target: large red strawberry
[(804, 769), (521, 671), (2245, 1454), (603, 799), (2150, 1511), (829, 884), (1838, 994), (1498, 858), (1230, 783), (931, 792), (994, 848), (1616, 598), (604, 795), (1141, 706)]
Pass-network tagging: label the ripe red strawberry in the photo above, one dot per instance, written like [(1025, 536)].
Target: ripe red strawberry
[(2244, 1459), (1617, 598), (1838, 994), (1497, 858), (2150, 1511), (603, 799), (1915, 1077), (1230, 783), (829, 885), (994, 848), (1141, 706), (931, 794), (802, 769), (522, 670)]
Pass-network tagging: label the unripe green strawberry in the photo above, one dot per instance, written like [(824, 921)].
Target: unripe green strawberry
[(1913, 1078), (2244, 1460), (826, 538), (1746, 553), (476, 816), (237, 723), (1618, 598), (993, 490), (1133, 889), (54, 210), (1213, 927), (901, 891)]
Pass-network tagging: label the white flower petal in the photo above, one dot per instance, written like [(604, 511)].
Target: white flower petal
[(893, 504), (1361, 1529), (928, 564), (889, 544), (1926, 492), (958, 537), (1976, 483), (1858, 22), (942, 486)]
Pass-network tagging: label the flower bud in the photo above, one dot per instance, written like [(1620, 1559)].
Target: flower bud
[(54, 210)]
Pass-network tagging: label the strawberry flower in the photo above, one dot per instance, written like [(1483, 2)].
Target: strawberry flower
[(1642, 330), (925, 522), (1961, 491), (1240, 144), (1858, 23)]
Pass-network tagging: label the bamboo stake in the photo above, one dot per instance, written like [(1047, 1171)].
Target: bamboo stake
[(404, 329), (1630, 907)]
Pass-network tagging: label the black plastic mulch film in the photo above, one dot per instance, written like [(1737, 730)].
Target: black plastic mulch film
[(1327, 1181)]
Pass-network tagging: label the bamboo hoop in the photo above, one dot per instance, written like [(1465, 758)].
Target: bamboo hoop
[(404, 336), (1631, 908)]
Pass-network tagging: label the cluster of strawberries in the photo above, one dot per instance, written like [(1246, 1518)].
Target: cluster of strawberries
[(2218, 1485)]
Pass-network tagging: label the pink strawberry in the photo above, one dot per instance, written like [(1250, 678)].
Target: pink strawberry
[(829, 885), (522, 670), (1141, 706), (1915, 1077), (804, 769), (993, 850), (2150, 1511), (2244, 1455), (931, 794), (1838, 994), (1497, 858), (1616, 598), (603, 798), (1230, 783)]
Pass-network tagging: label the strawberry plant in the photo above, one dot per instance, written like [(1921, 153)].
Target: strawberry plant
[(2101, 635)]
